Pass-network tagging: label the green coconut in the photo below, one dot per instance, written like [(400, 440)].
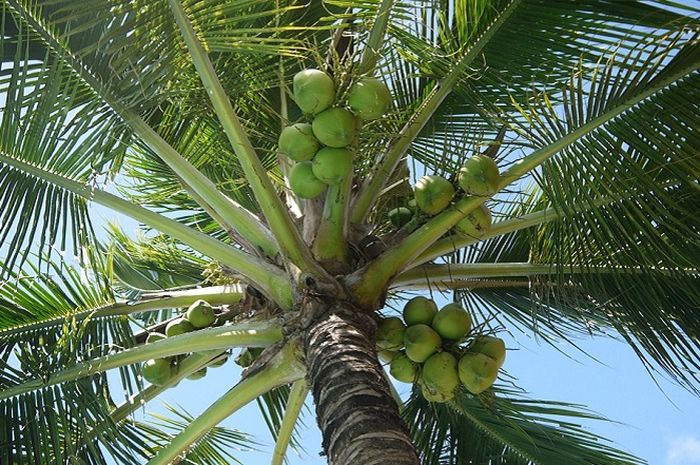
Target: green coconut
[(153, 337), (452, 322), (200, 314), (179, 326), (298, 142), (421, 342), (400, 216), (477, 372), (479, 176), (335, 127), (476, 223), (314, 90), (157, 371), (219, 362), (494, 347), (431, 394), (412, 205), (303, 182), (419, 311), (403, 368), (390, 333), (199, 374), (433, 194), (440, 372), (369, 98), (386, 356), (331, 165)]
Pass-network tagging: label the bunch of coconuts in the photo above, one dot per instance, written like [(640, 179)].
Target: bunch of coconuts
[(478, 176), (427, 350), (199, 315), (321, 149)]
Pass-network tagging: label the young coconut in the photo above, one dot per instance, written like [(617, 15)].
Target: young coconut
[(157, 371), (178, 326), (369, 98), (199, 374), (331, 165), (477, 372), (390, 333), (412, 205), (200, 314), (439, 373), (298, 142), (433, 194), (386, 356), (494, 347), (479, 176), (476, 223), (314, 90), (400, 216), (452, 322), (403, 368), (419, 311), (153, 337), (303, 182), (421, 342), (432, 394), (335, 127)]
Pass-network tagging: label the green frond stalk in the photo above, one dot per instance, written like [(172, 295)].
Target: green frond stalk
[(215, 295), (223, 337), (425, 275), (378, 273), (270, 279), (189, 365), (234, 215), (295, 402), (284, 368), (372, 50), (396, 149), (274, 210)]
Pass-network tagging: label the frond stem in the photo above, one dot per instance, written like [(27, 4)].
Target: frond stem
[(271, 280), (222, 337), (372, 50), (297, 395), (215, 295)]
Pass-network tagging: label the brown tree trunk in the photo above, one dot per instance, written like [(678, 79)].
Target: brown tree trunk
[(358, 417)]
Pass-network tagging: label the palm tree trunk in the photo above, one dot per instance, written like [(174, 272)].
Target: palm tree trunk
[(358, 417)]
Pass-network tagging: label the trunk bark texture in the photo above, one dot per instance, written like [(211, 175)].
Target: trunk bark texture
[(358, 417)]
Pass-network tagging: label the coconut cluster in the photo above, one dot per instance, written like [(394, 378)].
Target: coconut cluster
[(199, 315), (429, 348), (321, 147), (478, 176)]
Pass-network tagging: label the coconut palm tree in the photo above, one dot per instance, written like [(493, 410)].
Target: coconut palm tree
[(169, 112)]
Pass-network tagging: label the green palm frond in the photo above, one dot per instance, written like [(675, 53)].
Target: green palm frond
[(152, 263), (48, 119), (535, 46), (217, 447), (506, 428)]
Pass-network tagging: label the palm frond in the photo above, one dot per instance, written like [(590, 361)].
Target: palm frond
[(49, 120), (501, 427)]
